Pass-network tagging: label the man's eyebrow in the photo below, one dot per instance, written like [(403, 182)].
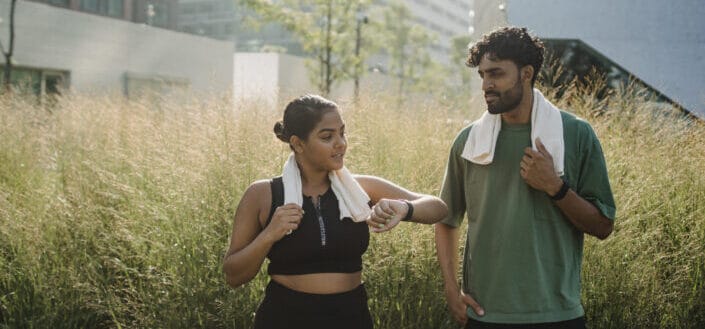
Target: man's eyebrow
[(493, 70)]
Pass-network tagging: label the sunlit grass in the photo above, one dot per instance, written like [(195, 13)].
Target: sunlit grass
[(117, 214)]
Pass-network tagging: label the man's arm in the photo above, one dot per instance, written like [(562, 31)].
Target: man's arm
[(447, 252), (537, 170), (583, 214), (447, 232)]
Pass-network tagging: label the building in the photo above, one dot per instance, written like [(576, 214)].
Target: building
[(446, 19), (660, 43), (225, 20), (111, 45), (160, 13)]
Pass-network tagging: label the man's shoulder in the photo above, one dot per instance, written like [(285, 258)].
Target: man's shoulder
[(462, 137), (572, 122)]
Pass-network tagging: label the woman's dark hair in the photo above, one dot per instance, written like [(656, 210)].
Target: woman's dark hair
[(301, 116), (512, 43)]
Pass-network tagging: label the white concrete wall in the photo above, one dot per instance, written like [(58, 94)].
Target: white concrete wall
[(98, 50), (256, 78), (273, 79), (294, 77), (661, 42)]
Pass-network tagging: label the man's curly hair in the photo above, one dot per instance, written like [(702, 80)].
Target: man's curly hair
[(509, 43)]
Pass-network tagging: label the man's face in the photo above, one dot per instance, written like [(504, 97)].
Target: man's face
[(501, 83)]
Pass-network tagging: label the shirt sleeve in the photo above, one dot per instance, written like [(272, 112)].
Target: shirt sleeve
[(593, 182), (453, 189)]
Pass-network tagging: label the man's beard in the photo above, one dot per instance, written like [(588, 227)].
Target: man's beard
[(507, 100)]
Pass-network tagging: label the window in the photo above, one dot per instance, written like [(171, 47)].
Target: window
[(90, 6), (38, 82), (112, 8), (161, 15), (24, 80), (60, 3)]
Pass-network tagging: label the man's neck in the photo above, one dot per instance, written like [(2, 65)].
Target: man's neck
[(522, 113)]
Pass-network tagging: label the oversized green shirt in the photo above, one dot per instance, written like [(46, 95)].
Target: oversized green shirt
[(522, 256)]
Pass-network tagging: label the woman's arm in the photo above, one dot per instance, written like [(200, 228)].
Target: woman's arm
[(390, 206), (250, 243)]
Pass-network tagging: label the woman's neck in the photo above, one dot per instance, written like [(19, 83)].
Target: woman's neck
[(313, 182)]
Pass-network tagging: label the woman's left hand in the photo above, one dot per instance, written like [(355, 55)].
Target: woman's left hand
[(386, 214)]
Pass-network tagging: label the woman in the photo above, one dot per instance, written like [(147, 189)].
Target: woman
[(312, 224)]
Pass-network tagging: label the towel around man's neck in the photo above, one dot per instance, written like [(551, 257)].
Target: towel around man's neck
[(546, 124), (352, 199)]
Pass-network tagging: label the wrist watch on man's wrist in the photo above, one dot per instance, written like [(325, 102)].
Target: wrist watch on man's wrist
[(562, 192)]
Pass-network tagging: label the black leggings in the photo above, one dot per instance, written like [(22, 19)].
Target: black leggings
[(578, 323), (286, 308)]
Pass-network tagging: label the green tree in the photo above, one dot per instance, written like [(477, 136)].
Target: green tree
[(460, 46), (407, 45), (326, 30), (7, 72)]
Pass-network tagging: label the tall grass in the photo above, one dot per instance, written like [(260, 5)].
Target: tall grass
[(116, 214)]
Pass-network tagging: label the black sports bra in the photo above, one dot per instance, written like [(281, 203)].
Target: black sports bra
[(323, 243)]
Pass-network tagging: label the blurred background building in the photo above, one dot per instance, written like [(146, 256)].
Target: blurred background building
[(161, 13), (111, 45)]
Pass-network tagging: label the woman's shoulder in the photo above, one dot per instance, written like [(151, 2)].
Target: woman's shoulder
[(256, 200), (259, 186), (259, 192)]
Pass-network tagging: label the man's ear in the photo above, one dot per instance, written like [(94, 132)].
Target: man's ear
[(297, 144), (527, 73)]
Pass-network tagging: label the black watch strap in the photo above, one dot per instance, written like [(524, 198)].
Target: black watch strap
[(562, 192)]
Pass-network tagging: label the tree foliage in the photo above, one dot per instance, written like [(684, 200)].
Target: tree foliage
[(407, 45), (7, 70), (326, 30), (460, 46)]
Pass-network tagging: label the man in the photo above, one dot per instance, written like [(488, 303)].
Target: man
[(532, 180)]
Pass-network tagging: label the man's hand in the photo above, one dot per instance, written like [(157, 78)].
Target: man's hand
[(538, 171), (458, 303)]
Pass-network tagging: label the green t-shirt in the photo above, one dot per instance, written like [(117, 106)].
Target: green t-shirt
[(522, 256)]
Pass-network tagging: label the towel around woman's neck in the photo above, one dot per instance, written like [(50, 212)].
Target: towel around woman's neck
[(352, 199), (546, 124)]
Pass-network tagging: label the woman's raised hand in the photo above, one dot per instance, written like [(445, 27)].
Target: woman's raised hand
[(386, 214), (285, 220)]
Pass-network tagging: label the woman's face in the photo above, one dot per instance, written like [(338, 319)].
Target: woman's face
[(325, 146)]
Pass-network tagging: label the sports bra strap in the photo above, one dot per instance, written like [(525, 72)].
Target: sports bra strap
[(277, 185)]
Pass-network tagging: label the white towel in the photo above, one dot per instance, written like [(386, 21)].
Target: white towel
[(352, 199), (546, 124)]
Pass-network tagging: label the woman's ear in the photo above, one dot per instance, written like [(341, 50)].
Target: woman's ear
[(297, 144)]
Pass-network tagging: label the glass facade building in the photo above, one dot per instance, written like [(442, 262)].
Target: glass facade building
[(158, 13)]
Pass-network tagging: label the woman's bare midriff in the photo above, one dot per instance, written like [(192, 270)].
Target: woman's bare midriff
[(320, 283)]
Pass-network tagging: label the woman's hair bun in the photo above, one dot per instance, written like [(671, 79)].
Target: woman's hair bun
[(279, 130)]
